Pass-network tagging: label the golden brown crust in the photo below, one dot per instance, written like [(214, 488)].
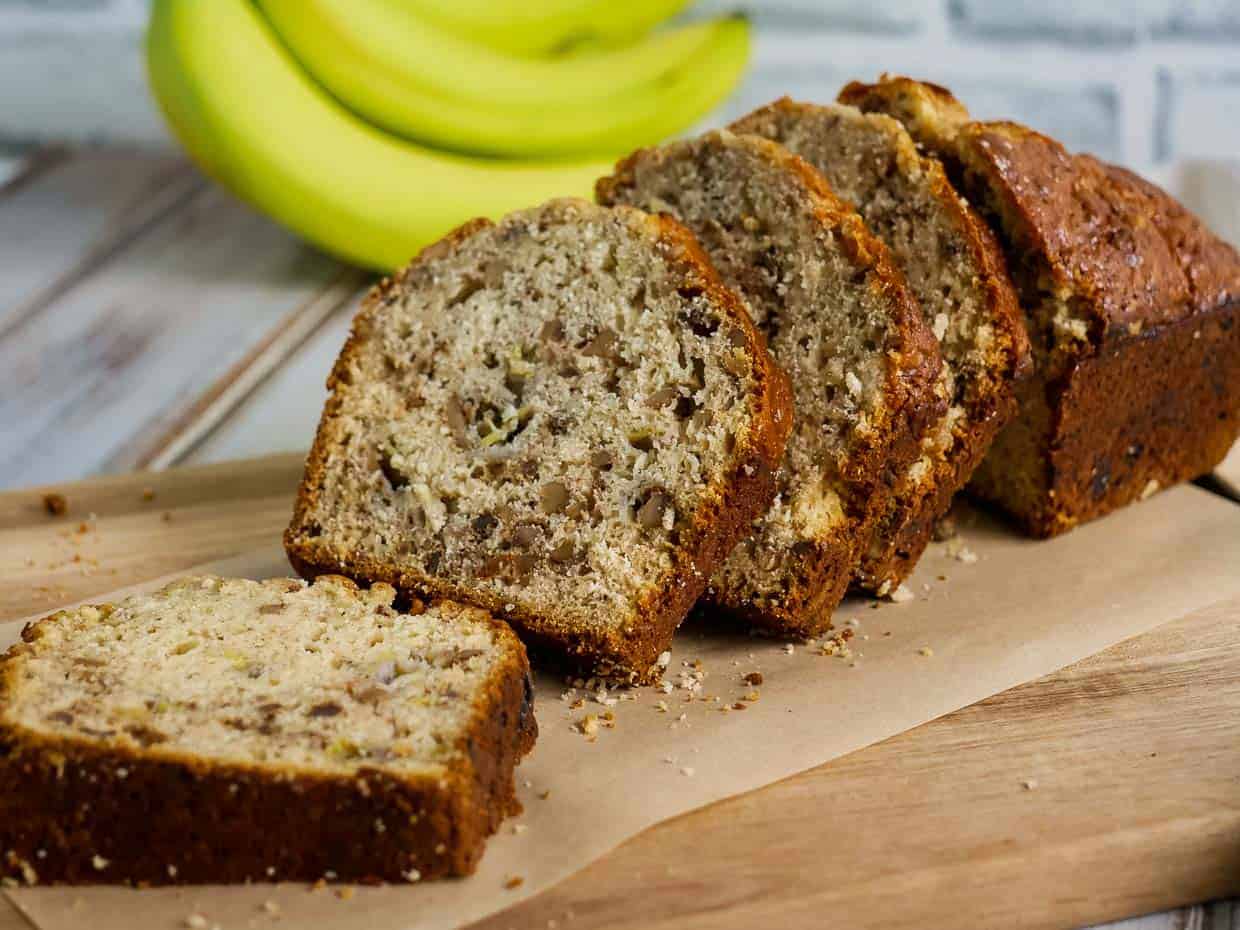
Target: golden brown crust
[(931, 112), (1145, 280), (988, 396), (877, 463), (745, 491), (1091, 455), (81, 810)]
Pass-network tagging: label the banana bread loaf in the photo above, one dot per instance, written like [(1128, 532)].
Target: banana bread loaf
[(841, 321), (954, 267), (230, 730), (565, 418), (1131, 304)]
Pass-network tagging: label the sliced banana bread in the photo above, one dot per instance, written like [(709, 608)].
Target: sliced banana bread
[(1132, 306), (840, 319), (565, 418), (224, 730), (954, 267)]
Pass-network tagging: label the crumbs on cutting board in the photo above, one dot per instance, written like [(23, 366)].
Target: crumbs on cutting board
[(56, 505)]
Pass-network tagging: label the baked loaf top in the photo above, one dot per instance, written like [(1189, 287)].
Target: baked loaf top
[(840, 320), (277, 676), (566, 418), (954, 268), (1110, 254)]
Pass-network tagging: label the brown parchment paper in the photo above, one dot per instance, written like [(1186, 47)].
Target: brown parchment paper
[(976, 626)]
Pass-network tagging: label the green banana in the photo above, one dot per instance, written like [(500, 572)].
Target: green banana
[(255, 122), (547, 27), (387, 66)]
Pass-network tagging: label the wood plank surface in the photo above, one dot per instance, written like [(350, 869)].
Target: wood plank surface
[(137, 319), (123, 529), (64, 215), (1109, 789)]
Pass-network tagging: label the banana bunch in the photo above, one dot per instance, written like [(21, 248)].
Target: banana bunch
[(373, 127)]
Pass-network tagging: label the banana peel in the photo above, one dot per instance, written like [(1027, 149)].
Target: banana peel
[(386, 65), (259, 125), (547, 27)]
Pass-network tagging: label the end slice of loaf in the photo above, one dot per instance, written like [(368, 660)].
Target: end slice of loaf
[(1131, 304), (565, 418), (224, 730), (840, 319), (956, 271)]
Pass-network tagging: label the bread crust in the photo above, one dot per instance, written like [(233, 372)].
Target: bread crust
[(904, 527), (745, 491), (875, 469), (79, 810), (1134, 403)]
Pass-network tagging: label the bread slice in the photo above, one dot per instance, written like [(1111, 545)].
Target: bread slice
[(565, 418), (955, 269), (840, 320), (1132, 307), (223, 730)]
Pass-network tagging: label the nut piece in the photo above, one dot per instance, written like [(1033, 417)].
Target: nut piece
[(603, 345), (455, 415), (553, 497), (651, 514)]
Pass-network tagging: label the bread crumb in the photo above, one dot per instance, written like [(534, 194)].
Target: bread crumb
[(271, 907), (752, 696), (1029, 784), (519, 828), (513, 881), (789, 649), (901, 595), (196, 921), (665, 659), (687, 771), (1150, 489), (588, 725), (944, 529), (925, 651), (345, 893), (99, 863), (957, 550), (148, 494), (543, 795), (55, 504)]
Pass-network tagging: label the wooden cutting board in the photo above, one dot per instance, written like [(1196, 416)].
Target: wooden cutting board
[(1108, 789)]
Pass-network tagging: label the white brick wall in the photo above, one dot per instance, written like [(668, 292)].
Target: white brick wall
[(1139, 81)]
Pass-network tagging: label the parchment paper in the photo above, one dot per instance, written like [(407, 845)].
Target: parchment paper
[(1022, 609)]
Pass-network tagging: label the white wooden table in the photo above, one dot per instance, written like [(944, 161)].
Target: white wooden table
[(147, 319)]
